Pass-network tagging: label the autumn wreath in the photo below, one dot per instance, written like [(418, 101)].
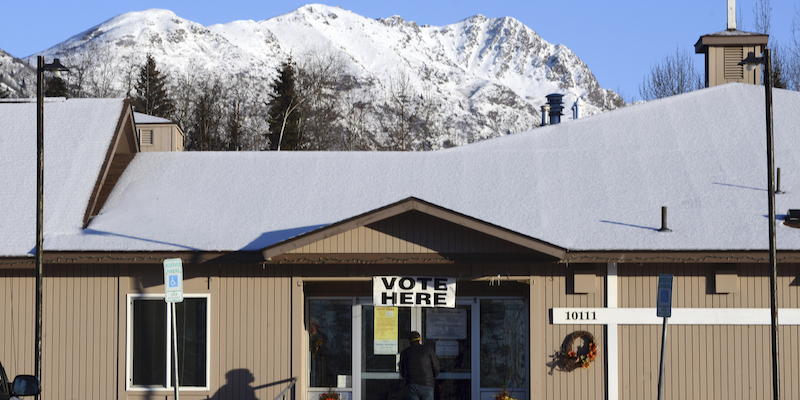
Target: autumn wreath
[(571, 358), (503, 395), (330, 394)]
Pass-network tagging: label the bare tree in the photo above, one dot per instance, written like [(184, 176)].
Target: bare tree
[(674, 75), (204, 130), (102, 82), (244, 115), (781, 62), (321, 85), (792, 70), (183, 93), (408, 115), (131, 68), (356, 115), (762, 11), (740, 20), (81, 66)]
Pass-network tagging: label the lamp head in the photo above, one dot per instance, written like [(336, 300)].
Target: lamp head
[(56, 67), (751, 62)]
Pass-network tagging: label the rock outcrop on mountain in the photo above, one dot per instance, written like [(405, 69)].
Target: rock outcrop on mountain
[(483, 77)]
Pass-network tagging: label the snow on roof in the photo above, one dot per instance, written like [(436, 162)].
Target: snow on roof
[(149, 119), (596, 183), (734, 32), (75, 148)]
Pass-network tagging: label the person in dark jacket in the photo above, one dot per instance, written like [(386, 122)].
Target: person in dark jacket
[(419, 367)]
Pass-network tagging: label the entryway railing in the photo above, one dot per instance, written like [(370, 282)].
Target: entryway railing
[(288, 393)]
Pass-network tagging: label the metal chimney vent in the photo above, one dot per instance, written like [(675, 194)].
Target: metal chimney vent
[(556, 107), (792, 219), (577, 109), (664, 220)]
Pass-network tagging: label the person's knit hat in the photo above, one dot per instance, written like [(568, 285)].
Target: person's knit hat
[(414, 336)]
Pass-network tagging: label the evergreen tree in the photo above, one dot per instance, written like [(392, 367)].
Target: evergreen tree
[(151, 92), (284, 118), (55, 87)]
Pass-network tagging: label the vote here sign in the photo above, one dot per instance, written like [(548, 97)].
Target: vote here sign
[(414, 291)]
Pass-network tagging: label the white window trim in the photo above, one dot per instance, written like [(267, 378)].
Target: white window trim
[(129, 345)]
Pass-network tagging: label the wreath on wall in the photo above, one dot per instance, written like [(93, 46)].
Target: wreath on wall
[(573, 360)]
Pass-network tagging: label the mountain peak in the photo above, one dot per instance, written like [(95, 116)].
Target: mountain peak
[(487, 76)]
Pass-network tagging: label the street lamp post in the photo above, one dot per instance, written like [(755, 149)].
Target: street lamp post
[(41, 67), (751, 61)]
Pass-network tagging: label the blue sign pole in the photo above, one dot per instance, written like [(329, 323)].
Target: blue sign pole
[(663, 309)]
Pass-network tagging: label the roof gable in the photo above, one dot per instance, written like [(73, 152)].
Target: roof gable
[(411, 227), (120, 153), (78, 134)]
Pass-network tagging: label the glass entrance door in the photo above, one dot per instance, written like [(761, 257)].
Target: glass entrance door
[(482, 346), (448, 331)]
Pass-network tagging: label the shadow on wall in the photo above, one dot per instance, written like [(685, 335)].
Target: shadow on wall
[(238, 385)]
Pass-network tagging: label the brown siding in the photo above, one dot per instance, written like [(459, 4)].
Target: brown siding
[(702, 362), (253, 329), (716, 72), (250, 327), (693, 286), (255, 307), (17, 297), (166, 137), (706, 362), (578, 384), (411, 232), (80, 332), (118, 165), (79, 329)]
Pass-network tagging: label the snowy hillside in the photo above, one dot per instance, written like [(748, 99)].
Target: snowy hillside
[(16, 78), (486, 77)]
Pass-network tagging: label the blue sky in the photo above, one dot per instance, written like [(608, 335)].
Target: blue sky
[(618, 39)]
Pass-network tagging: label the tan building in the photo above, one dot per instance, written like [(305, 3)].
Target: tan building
[(158, 134), (724, 52), (498, 252)]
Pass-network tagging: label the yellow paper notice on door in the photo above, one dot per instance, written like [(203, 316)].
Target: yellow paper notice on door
[(385, 334)]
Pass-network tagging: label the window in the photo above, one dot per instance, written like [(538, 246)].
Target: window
[(150, 342), (330, 341), (504, 336)]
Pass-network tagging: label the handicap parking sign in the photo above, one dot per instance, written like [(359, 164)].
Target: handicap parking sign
[(173, 280)]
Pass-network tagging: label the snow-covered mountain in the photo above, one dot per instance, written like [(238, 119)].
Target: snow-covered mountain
[(488, 77), (17, 79)]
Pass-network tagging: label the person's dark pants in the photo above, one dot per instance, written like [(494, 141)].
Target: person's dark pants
[(419, 392)]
